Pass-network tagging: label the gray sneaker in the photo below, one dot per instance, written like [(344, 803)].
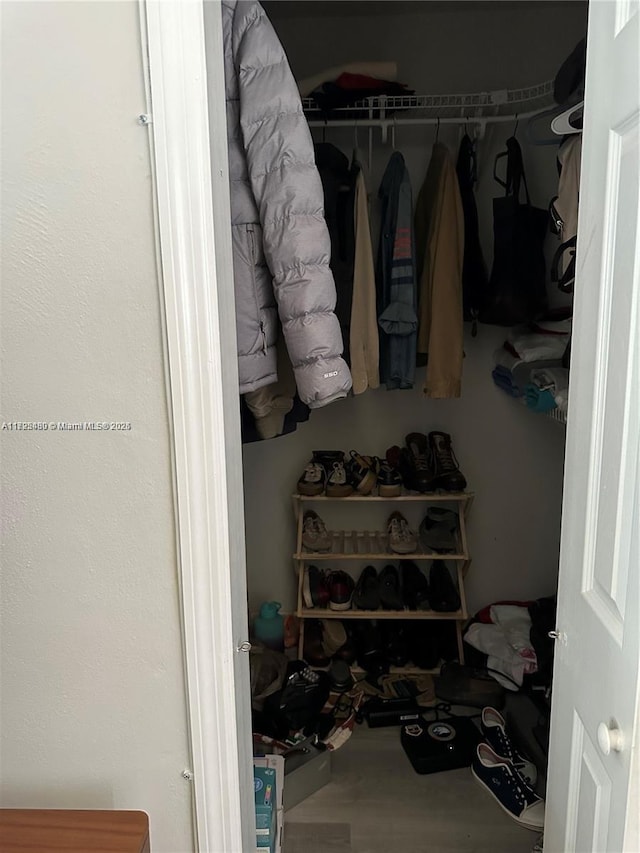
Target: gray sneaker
[(402, 539), (438, 530)]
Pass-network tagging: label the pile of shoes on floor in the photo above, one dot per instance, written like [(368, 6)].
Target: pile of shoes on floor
[(377, 645), (427, 463), (394, 588)]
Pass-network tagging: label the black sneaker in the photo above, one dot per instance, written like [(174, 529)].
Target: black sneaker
[(508, 787), (389, 585), (447, 472), (362, 473), (415, 464), (315, 589), (389, 480), (340, 590), (367, 592), (442, 591), (415, 587), (494, 729)]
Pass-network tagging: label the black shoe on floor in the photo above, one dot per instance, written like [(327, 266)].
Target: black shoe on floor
[(367, 592), (443, 593), (389, 586), (415, 464), (447, 472), (415, 587)]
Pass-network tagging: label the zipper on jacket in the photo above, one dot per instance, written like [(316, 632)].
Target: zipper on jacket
[(252, 264)]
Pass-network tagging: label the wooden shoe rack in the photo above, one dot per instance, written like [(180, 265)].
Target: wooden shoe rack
[(371, 546)]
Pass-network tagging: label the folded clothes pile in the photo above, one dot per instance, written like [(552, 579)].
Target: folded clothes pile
[(506, 641), (345, 85), (529, 365), (548, 389)]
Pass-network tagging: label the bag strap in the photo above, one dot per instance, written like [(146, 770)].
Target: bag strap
[(515, 171)]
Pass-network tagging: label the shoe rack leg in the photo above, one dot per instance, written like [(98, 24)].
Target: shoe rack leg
[(460, 643), (301, 639)]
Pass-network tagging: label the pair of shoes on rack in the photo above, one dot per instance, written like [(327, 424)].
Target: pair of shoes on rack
[(395, 589), (380, 645), (375, 590), (325, 472), (327, 589), (428, 463), (326, 640), (385, 643), (506, 774), (329, 473)]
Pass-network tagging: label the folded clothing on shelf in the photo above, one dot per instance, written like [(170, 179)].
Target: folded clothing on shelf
[(540, 342), (555, 380), (538, 399), (380, 70)]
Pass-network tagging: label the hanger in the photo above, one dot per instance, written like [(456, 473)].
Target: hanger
[(393, 133), (515, 127), (533, 132), (437, 130), (324, 131)]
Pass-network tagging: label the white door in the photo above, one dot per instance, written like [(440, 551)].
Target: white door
[(594, 726)]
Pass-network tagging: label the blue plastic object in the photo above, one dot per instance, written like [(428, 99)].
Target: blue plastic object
[(268, 627)]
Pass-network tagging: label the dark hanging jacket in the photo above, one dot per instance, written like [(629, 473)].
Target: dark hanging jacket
[(474, 271), (338, 184), (396, 278)]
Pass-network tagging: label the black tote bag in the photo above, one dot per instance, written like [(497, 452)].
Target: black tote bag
[(517, 286)]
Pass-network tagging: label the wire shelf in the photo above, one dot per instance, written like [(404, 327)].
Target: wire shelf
[(502, 102)]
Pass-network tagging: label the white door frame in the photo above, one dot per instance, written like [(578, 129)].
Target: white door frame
[(189, 133)]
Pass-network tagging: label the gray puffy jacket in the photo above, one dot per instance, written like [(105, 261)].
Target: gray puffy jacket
[(281, 244)]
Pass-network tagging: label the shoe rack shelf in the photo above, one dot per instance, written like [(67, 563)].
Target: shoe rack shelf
[(372, 546)]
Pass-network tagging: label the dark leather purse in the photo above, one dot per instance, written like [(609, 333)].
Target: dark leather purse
[(517, 286)]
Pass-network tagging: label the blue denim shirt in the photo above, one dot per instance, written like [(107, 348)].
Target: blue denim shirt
[(396, 290)]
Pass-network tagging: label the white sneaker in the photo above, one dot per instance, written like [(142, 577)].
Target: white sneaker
[(402, 539), (314, 533)]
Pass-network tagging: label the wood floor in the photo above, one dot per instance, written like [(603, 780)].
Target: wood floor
[(376, 803)]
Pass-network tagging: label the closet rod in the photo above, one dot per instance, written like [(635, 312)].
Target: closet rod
[(386, 123)]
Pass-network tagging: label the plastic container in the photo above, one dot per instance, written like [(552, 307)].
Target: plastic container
[(268, 627)]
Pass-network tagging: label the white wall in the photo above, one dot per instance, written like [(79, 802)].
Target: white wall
[(513, 460), (93, 707)]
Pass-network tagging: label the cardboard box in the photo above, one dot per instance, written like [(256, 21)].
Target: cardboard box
[(276, 763), (304, 774), (264, 783)]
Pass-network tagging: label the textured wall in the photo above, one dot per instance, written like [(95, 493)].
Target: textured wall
[(93, 708), (513, 459)]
